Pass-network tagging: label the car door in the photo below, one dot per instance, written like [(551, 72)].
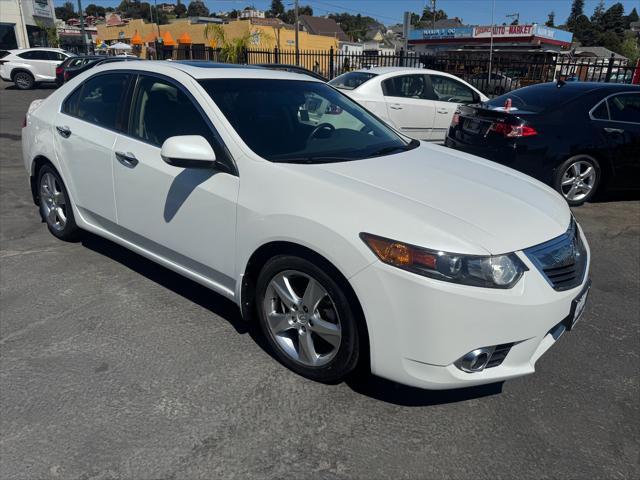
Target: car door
[(622, 133), (410, 107), (185, 215), (84, 136), (449, 94)]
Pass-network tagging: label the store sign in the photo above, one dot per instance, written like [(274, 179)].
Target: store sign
[(553, 33), (41, 8), (503, 31), (439, 33)]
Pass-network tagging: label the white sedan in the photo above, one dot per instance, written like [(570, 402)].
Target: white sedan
[(350, 244), (419, 103)]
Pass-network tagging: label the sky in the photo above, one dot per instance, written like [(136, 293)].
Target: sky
[(390, 11)]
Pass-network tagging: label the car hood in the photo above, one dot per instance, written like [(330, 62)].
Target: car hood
[(444, 199)]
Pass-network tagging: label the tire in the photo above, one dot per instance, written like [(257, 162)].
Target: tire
[(577, 179), (55, 206), (315, 335), (23, 80)]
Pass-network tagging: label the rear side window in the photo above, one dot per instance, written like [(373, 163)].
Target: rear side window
[(408, 86), (351, 80), (601, 112), (625, 108), (34, 55), (100, 99), (70, 105), (55, 56)]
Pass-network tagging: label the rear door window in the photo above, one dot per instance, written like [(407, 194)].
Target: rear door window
[(601, 112), (408, 86), (625, 108), (101, 99), (34, 55), (351, 80)]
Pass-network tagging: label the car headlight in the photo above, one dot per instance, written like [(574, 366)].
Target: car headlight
[(496, 271)]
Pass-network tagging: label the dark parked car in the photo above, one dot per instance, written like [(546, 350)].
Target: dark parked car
[(578, 137), (71, 72), (73, 62), (292, 68)]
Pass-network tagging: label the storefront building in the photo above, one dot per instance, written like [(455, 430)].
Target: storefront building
[(19, 20), (506, 38)]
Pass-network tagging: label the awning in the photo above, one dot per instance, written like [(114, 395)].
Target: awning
[(136, 39), (168, 40), (149, 37), (184, 38)]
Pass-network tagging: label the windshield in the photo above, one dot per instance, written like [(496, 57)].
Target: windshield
[(301, 122), (351, 80)]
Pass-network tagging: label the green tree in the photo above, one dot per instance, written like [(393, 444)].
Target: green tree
[(629, 19), (551, 19), (180, 10), (584, 31), (629, 48), (355, 26), (577, 10), (290, 15), (231, 50), (613, 21), (51, 33), (598, 12), (428, 16), (611, 41), (277, 9), (197, 8), (94, 10), (65, 12)]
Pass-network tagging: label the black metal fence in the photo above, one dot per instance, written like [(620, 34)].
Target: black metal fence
[(501, 74)]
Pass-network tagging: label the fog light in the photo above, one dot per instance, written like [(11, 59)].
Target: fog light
[(475, 361)]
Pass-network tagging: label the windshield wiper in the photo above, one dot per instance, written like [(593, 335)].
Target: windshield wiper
[(395, 148), (312, 160)]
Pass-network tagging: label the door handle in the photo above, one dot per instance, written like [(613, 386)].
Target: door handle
[(442, 110), (64, 131), (127, 159), (613, 130), (395, 107)]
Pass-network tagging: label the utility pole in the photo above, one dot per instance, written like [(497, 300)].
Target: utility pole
[(493, 9), (433, 11), (157, 20), (82, 32), (297, 32)]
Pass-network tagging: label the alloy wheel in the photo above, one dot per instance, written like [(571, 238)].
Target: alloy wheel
[(578, 180), (23, 81), (302, 318), (54, 203)]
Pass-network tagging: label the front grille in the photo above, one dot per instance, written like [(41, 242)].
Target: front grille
[(562, 261), (499, 354)]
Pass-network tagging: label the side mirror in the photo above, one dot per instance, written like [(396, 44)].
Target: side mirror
[(188, 151)]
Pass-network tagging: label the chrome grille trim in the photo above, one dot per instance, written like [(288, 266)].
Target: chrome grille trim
[(562, 260)]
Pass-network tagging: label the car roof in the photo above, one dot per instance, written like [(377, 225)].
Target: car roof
[(50, 49), (577, 88), (206, 70), (392, 70)]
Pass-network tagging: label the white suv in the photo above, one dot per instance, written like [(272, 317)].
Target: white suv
[(26, 67)]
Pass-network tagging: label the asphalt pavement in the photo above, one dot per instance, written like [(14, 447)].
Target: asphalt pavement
[(112, 367)]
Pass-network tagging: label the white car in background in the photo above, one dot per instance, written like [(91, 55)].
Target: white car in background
[(345, 240), (418, 102), (30, 66)]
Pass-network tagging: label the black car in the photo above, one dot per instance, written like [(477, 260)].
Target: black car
[(72, 62), (578, 137), (71, 72), (291, 68)]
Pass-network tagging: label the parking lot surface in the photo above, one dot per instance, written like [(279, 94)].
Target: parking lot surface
[(112, 367)]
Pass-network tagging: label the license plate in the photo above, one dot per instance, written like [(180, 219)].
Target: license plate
[(578, 306)]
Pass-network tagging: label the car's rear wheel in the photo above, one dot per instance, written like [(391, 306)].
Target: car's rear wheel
[(55, 207), (24, 80), (577, 179), (307, 319)]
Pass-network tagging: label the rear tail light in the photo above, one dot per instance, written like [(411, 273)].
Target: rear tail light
[(513, 131), (59, 70), (24, 121), (66, 76)]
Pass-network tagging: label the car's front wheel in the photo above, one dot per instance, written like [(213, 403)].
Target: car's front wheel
[(55, 207), (577, 179), (307, 319), (24, 80)]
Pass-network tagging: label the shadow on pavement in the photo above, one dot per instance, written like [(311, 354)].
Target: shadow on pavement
[(38, 86), (363, 382), (620, 196), (403, 395)]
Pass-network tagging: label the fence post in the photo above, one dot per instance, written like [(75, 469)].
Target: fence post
[(610, 68), (331, 66), (276, 55), (401, 62), (244, 58)]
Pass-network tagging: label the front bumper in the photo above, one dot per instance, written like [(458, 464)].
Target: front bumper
[(418, 327)]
